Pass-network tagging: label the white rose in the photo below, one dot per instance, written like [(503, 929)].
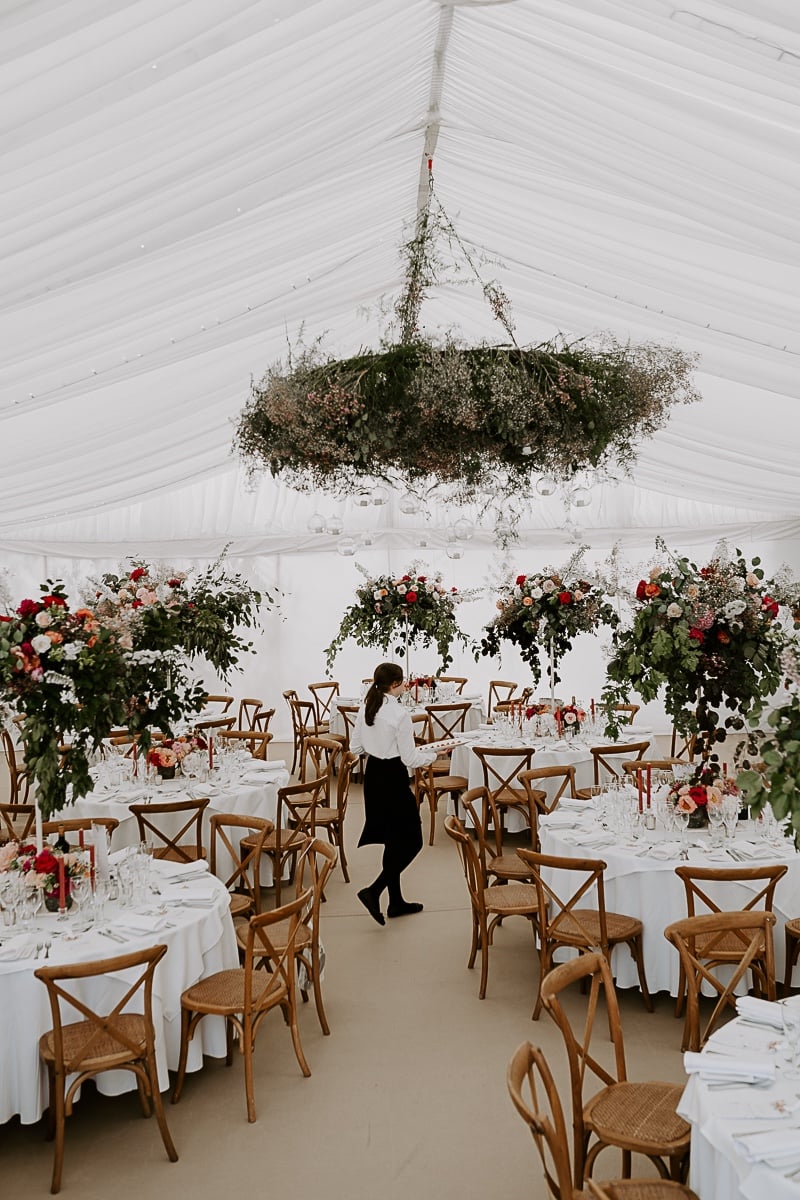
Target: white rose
[(41, 643), (577, 595), (430, 588), (124, 594), (752, 580), (548, 586), (377, 594), (674, 610), (536, 593), (43, 619), (737, 583), (401, 589)]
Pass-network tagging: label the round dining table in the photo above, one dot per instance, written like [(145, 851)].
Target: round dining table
[(188, 912), (745, 1135), (640, 880)]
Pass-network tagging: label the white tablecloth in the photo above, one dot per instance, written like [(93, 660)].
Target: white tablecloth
[(718, 1170), (648, 888), (199, 942)]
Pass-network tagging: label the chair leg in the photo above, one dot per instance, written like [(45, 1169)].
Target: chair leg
[(635, 947), (158, 1108), (58, 1154), (323, 1020), (342, 856), (185, 1038), (247, 1050), (432, 805), (298, 1049)]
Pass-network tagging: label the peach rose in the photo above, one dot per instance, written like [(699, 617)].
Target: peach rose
[(651, 590), (527, 601)]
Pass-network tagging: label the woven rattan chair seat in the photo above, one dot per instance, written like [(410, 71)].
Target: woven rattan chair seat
[(451, 783), (643, 1113), (510, 898), (510, 795), (508, 866), (277, 936), (105, 1049), (642, 1189), (325, 816), (727, 945), (618, 926), (240, 904), (224, 991), (793, 926)]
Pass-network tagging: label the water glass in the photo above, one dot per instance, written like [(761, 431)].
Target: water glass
[(716, 818)]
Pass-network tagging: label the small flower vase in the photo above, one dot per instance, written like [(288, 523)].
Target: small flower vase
[(166, 772), (51, 901), (698, 819)]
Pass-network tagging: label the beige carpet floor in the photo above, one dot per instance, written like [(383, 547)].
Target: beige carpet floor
[(407, 1096)]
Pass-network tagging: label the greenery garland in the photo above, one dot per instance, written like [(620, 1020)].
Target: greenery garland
[(392, 611), (777, 781)]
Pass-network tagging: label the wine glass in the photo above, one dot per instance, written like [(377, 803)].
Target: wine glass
[(681, 819), (81, 890), (716, 818), (790, 1014)]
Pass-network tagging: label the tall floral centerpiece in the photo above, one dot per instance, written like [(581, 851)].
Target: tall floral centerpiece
[(544, 612), (120, 660), (708, 637), (394, 612), (776, 750)]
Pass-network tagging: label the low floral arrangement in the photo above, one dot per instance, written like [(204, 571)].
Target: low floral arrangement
[(708, 635), (570, 717), (119, 661), (699, 792), (43, 869), (394, 612), (421, 681), (163, 758), (546, 611)]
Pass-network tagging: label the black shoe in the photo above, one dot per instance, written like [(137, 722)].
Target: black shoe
[(404, 909), (372, 905)]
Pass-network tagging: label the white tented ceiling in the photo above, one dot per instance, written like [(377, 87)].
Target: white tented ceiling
[(186, 184)]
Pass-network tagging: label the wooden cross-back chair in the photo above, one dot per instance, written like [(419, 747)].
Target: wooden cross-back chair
[(496, 865), (222, 701), (698, 882), (261, 719), (683, 745), (242, 875), (166, 845), (78, 825), (16, 821), (246, 739), (500, 690), (349, 713), (565, 923), (19, 781), (244, 995), (607, 761), (535, 1096), (107, 1040), (323, 695), (248, 707), (542, 802), (320, 756), (437, 778), (211, 726), (314, 867), (460, 681), (753, 931), (489, 904), (637, 1118), (501, 766), (304, 724), (330, 817), (629, 711), (295, 825)]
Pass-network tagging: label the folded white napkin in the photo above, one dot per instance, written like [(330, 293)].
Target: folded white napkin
[(138, 923), (746, 1068), (772, 1144), (175, 870), (665, 850), (601, 838), (760, 1012), (757, 850), (272, 765), (22, 945), (558, 819), (574, 804), (192, 896)]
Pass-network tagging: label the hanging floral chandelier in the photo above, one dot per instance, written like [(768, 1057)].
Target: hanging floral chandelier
[(478, 421)]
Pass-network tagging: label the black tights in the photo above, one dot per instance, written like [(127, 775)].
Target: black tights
[(396, 857)]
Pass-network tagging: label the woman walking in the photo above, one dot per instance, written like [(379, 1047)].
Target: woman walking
[(384, 732)]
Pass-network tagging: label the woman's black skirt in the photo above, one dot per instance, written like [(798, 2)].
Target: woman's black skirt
[(390, 810)]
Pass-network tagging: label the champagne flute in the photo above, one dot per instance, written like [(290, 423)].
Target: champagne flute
[(681, 818)]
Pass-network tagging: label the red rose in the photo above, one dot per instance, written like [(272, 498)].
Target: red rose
[(699, 794), (2, 618), (641, 593), (45, 863), (421, 578), (406, 578), (136, 604), (28, 608), (521, 580), (411, 597), (137, 574), (697, 634), (723, 637), (565, 597), (47, 601), (770, 605), (173, 583)]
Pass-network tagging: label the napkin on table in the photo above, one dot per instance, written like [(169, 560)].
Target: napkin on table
[(558, 820), (22, 945), (195, 895), (177, 872), (730, 1068), (760, 1012), (770, 1144), (139, 923)]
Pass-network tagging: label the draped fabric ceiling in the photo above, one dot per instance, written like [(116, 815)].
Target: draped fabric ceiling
[(187, 184)]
